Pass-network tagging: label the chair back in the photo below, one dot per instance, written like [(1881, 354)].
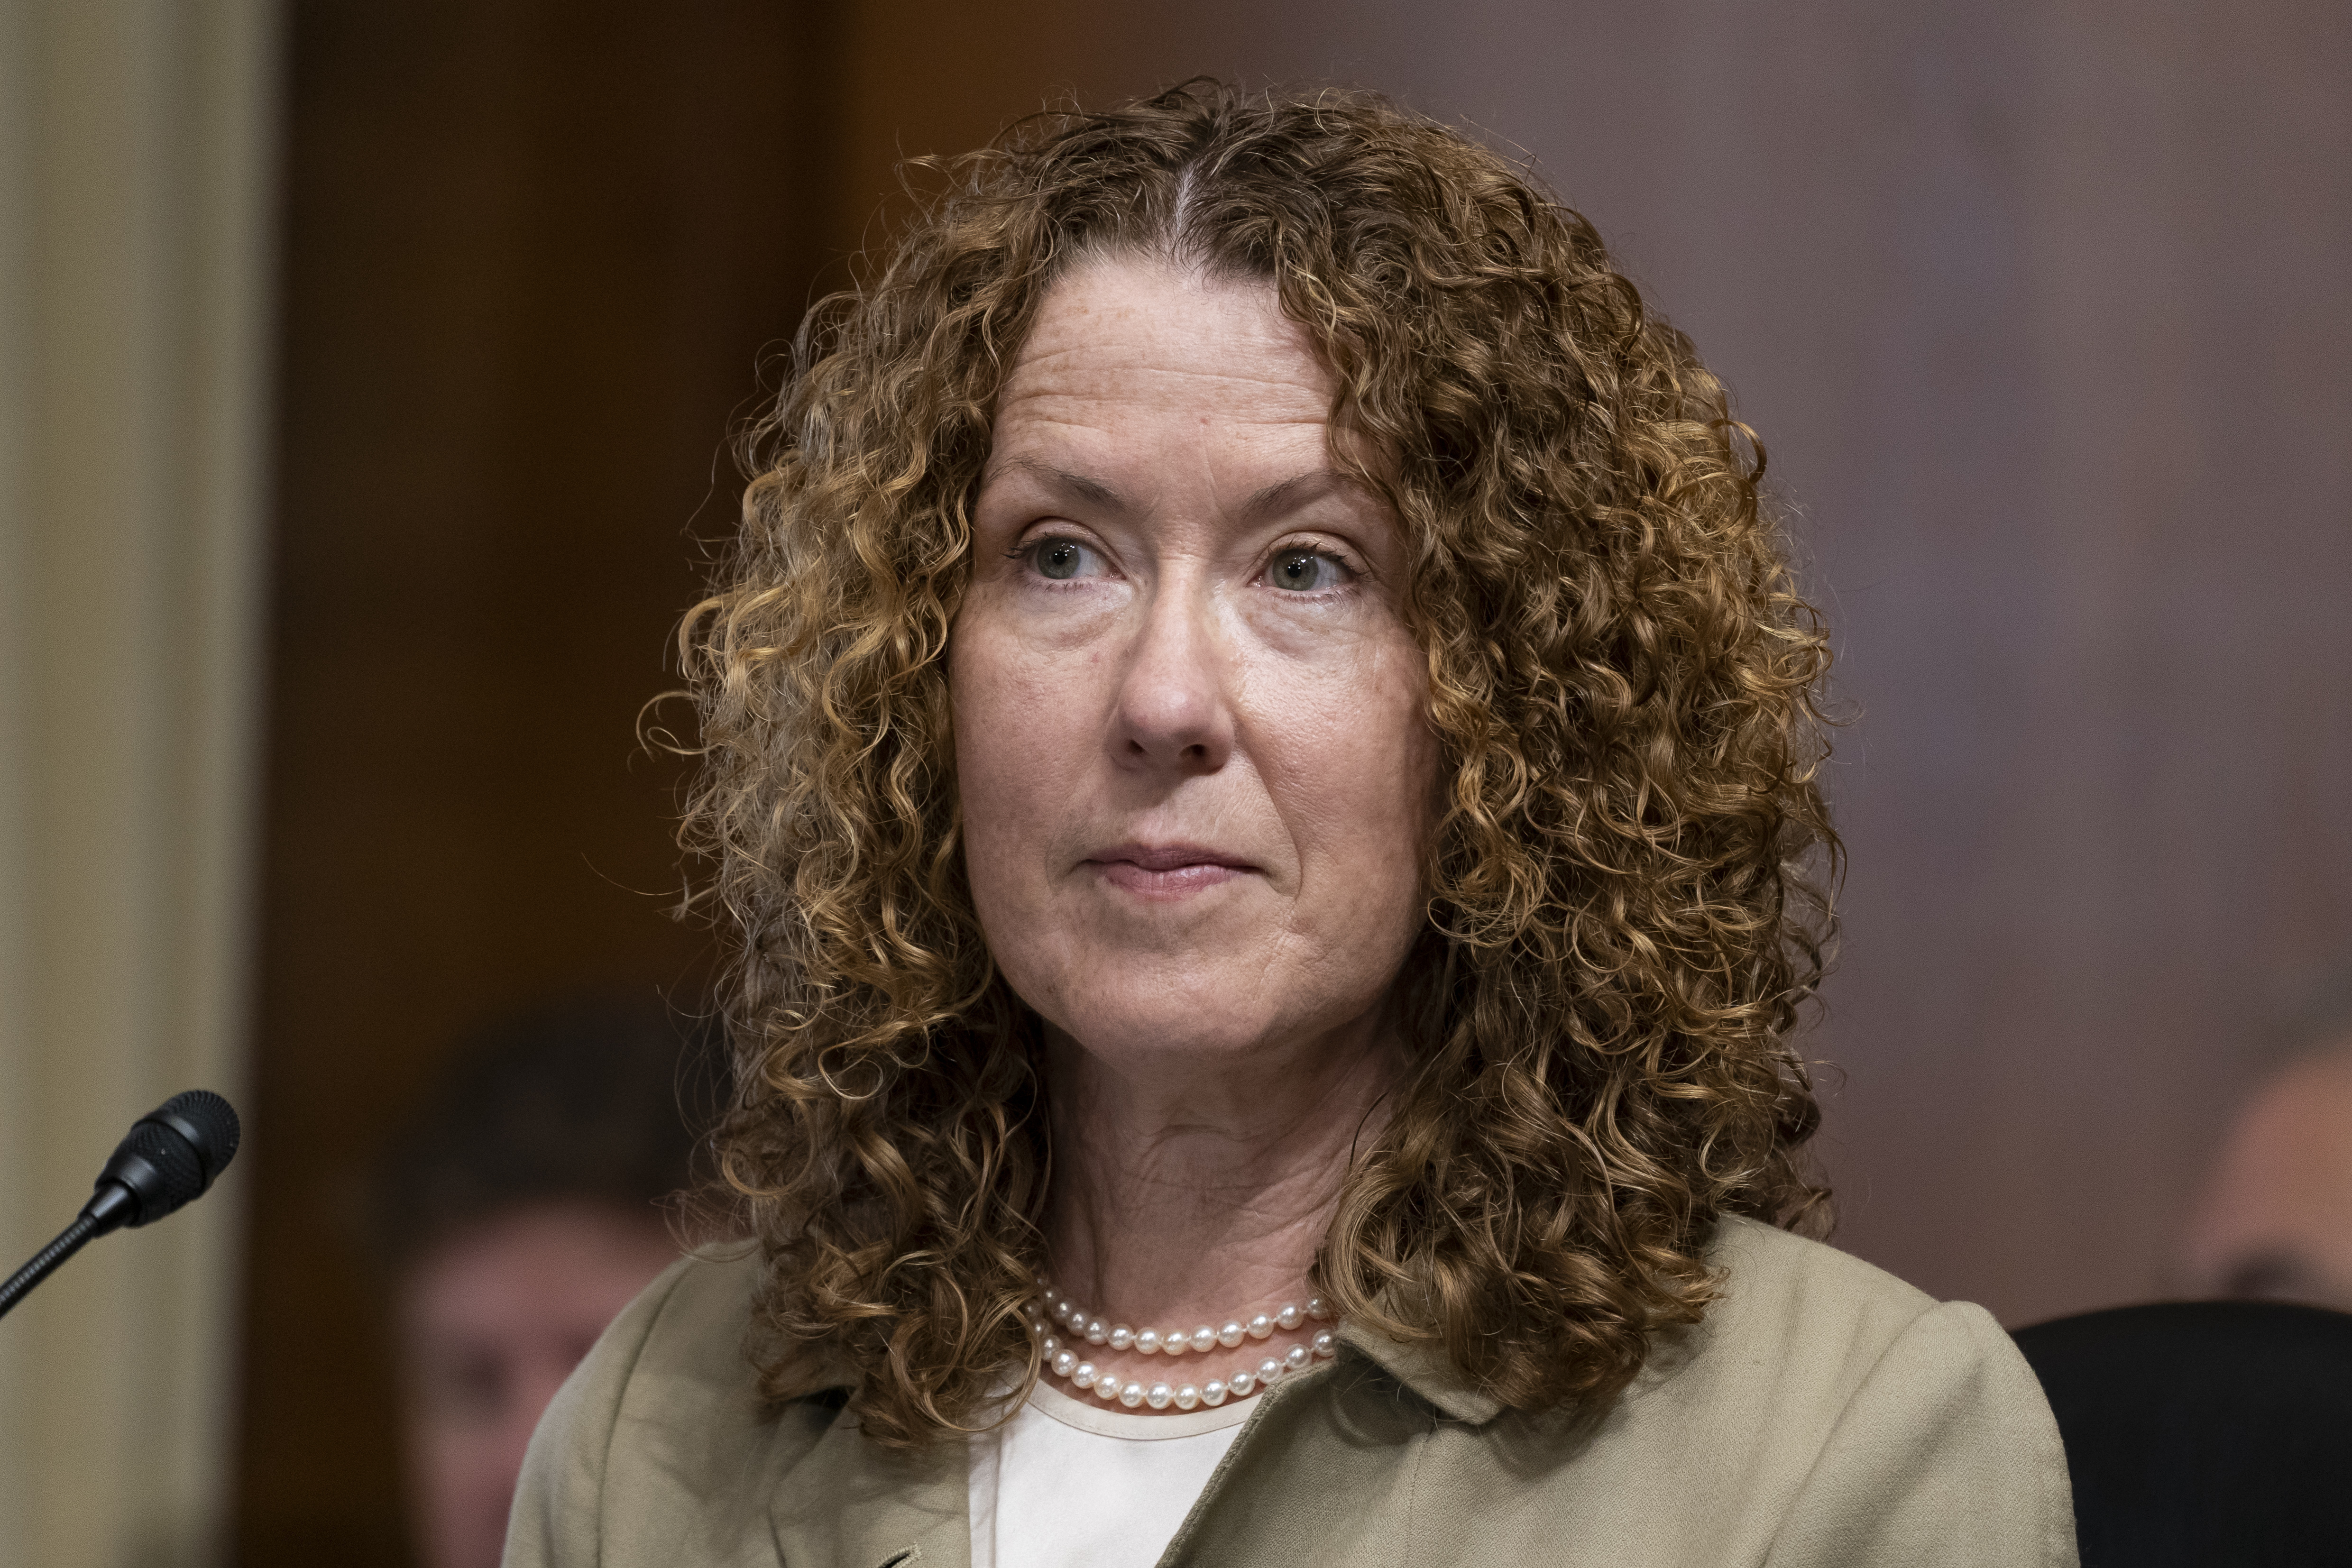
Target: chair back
[(2204, 1432)]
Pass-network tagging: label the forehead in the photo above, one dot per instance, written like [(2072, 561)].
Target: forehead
[(1128, 337)]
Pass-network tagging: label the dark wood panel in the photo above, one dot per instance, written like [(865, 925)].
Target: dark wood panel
[(2042, 311), (533, 254)]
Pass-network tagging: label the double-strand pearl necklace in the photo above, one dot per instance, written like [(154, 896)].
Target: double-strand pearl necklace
[(1064, 1361)]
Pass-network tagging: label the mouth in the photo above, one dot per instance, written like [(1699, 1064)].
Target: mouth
[(1166, 871)]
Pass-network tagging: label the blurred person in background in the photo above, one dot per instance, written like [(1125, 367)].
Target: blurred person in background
[(517, 1211), (2274, 1220)]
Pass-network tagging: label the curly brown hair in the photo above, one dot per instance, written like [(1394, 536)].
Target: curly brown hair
[(1622, 927)]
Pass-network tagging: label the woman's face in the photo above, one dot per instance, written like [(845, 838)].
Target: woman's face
[(1190, 726)]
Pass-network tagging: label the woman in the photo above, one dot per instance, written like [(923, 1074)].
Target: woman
[(1260, 747)]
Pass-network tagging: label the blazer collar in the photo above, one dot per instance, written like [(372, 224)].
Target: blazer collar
[(1426, 1370), (856, 1505)]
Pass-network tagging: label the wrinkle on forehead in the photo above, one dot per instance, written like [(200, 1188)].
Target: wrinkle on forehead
[(1245, 371), (1095, 325)]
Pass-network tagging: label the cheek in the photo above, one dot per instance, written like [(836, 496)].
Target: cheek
[(1354, 767), (1013, 745)]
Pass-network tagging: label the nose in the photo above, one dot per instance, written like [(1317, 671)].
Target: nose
[(1173, 712)]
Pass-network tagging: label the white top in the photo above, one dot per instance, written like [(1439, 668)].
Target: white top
[(1067, 1483)]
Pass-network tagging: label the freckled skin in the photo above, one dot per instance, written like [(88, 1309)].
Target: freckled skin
[(1173, 696), (1183, 629)]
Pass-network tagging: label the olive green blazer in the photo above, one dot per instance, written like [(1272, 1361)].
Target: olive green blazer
[(1823, 1413)]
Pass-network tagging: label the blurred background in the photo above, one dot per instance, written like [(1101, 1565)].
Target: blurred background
[(366, 371)]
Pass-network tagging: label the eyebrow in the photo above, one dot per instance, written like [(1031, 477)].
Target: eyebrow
[(1077, 486), (1271, 501), (1293, 493)]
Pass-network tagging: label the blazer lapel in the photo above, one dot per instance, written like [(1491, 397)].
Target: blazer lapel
[(850, 1504)]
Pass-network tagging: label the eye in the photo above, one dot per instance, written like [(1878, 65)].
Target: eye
[(1305, 570), (1061, 560)]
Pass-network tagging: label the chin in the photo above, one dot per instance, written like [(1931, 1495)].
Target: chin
[(1196, 1018), (1141, 1036)]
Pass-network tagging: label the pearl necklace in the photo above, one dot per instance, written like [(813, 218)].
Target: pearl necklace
[(1063, 1362)]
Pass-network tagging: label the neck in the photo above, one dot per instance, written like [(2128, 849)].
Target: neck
[(1189, 1189)]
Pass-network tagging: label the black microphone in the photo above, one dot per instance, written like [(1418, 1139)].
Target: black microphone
[(173, 1154)]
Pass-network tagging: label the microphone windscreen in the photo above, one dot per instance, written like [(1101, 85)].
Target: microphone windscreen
[(209, 1122), (177, 1163)]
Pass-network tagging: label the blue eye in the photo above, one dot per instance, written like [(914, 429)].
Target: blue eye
[(1304, 571), (1061, 560)]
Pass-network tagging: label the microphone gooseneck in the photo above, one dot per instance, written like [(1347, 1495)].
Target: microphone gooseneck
[(69, 1243), (172, 1154)]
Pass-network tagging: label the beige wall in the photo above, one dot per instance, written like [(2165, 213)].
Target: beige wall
[(133, 193)]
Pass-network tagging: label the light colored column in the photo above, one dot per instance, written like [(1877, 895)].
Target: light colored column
[(136, 188)]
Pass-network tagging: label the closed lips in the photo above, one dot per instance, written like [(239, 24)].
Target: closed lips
[(1167, 868)]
